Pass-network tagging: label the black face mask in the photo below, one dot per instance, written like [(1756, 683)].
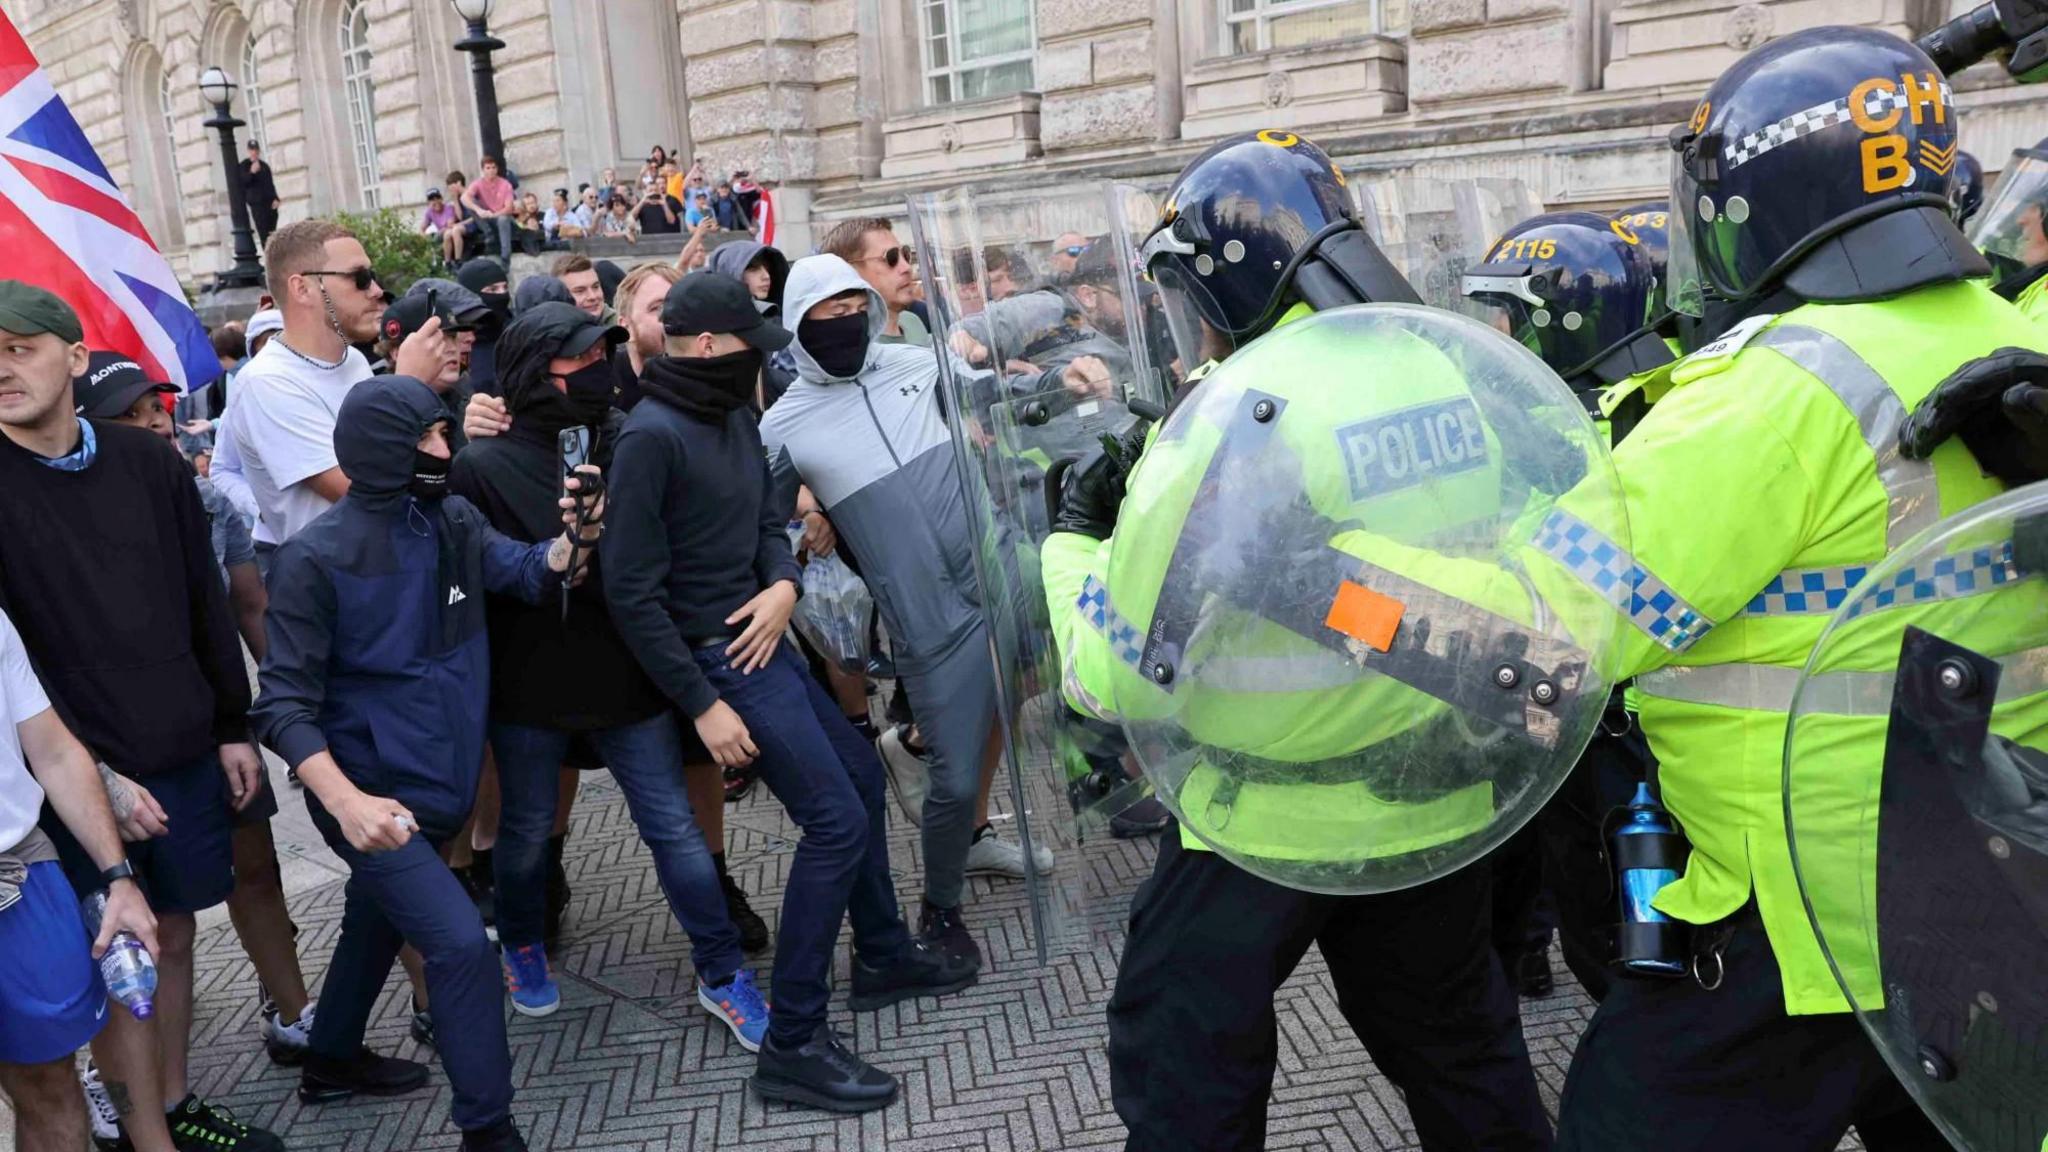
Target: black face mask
[(500, 303), (707, 388), (839, 345), (429, 476), (589, 391)]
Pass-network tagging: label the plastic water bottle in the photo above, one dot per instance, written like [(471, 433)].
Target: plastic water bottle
[(127, 968), (1648, 852)]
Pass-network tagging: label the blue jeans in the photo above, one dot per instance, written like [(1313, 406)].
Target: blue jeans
[(830, 782), (647, 761), (408, 896)]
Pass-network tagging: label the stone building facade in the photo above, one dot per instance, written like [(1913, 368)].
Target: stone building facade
[(855, 104)]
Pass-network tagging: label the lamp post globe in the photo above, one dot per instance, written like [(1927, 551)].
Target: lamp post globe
[(218, 89)]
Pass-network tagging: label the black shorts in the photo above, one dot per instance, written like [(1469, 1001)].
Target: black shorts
[(188, 869)]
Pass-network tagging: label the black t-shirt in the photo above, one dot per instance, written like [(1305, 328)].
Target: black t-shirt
[(652, 219), (625, 383)]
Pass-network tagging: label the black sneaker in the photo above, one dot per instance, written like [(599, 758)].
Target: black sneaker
[(325, 1079), (920, 970), (1145, 818), (197, 1126), (753, 930), (499, 1137), (1533, 978), (821, 1073), (943, 929), (423, 1027)]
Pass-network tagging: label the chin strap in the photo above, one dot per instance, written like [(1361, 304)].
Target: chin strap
[(1348, 268)]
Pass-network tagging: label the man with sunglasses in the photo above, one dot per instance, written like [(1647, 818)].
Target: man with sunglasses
[(283, 421), (890, 267), (1066, 254)]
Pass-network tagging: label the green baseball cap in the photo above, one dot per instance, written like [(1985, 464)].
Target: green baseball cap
[(27, 310)]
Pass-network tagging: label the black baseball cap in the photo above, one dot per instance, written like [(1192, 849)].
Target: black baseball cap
[(27, 310), (589, 331), (111, 385), (707, 301), (409, 314)]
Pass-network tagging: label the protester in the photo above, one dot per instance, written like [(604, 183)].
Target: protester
[(487, 280), (869, 244), (586, 287), (702, 586), (115, 389), (641, 295), (538, 289), (762, 269), (863, 430), (1066, 254), (259, 192), (557, 378), (107, 569), (386, 728), (225, 470), (51, 993), (459, 311)]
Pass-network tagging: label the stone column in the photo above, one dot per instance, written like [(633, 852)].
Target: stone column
[(773, 89)]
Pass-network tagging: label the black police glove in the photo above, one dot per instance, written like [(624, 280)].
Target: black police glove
[(1093, 490), (1998, 404)]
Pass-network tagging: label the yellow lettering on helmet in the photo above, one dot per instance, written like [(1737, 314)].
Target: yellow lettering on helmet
[(1885, 166), (1279, 139), (1699, 117), (1863, 118), (1920, 96), (1621, 229)]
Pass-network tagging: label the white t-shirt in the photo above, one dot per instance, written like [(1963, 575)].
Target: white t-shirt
[(282, 422), (21, 699)]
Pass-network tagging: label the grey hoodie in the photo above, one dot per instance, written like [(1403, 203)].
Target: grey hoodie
[(875, 452)]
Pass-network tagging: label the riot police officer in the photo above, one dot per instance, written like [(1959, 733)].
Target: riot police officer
[(1584, 292), (1192, 1023), (2012, 232), (1810, 195)]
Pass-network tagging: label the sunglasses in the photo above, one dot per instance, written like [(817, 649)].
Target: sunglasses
[(362, 277), (901, 254), (1075, 249)]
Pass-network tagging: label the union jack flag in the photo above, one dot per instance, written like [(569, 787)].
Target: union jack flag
[(66, 227)]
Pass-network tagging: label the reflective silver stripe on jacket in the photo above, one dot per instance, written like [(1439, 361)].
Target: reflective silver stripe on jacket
[(1909, 485), (1770, 687)]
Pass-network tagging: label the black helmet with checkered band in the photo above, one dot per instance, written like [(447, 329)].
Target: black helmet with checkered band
[(1820, 162)]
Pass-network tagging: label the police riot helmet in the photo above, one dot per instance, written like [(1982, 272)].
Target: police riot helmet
[(1820, 162), (1252, 225), (1650, 224), (1966, 188), (1575, 287), (2012, 227)]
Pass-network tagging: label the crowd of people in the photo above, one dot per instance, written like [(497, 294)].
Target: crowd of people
[(478, 539), (489, 215)]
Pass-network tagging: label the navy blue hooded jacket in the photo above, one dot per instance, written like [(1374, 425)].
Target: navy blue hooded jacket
[(378, 651)]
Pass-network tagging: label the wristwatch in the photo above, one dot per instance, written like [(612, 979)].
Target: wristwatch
[(125, 870)]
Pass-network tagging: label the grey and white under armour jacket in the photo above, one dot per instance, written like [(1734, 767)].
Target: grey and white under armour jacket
[(876, 453)]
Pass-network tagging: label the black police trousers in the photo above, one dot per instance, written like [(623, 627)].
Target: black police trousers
[(1193, 1034), (1668, 1066), (1576, 870)]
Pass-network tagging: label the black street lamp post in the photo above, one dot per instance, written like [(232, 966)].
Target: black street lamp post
[(479, 43), (247, 271)]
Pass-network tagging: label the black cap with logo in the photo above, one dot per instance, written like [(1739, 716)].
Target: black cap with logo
[(707, 301), (111, 385)]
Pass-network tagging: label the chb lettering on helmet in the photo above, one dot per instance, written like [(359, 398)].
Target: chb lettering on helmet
[(1404, 448), (1880, 106)]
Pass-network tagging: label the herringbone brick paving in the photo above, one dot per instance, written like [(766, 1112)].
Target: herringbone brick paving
[(631, 1064)]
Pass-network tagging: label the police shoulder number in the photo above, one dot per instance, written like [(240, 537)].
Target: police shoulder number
[(1731, 341)]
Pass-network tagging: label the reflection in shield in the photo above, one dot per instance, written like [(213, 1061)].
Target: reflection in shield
[(1916, 798), (1435, 229), (1039, 370)]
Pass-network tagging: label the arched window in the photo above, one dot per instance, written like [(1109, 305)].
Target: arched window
[(170, 122), (152, 173), (252, 94), (361, 96)]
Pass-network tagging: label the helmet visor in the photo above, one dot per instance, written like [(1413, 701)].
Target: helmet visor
[(1684, 288), (1182, 299), (2010, 228)]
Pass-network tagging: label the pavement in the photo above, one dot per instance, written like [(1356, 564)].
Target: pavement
[(631, 1064)]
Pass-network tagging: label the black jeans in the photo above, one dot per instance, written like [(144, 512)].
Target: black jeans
[(1668, 1066), (1193, 1037)]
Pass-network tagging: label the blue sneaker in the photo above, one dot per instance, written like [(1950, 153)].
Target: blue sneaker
[(738, 1005), (534, 992)]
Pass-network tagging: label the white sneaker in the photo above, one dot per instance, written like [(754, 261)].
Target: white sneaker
[(907, 773), (287, 1043), (991, 855), (106, 1123)]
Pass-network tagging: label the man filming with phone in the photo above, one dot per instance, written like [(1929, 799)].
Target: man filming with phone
[(556, 676)]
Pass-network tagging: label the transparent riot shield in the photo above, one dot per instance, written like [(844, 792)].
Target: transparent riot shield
[(1040, 365), (1360, 615), (1916, 797), (1433, 230), (2010, 229)]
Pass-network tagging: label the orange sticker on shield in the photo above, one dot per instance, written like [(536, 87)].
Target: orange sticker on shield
[(1365, 615)]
